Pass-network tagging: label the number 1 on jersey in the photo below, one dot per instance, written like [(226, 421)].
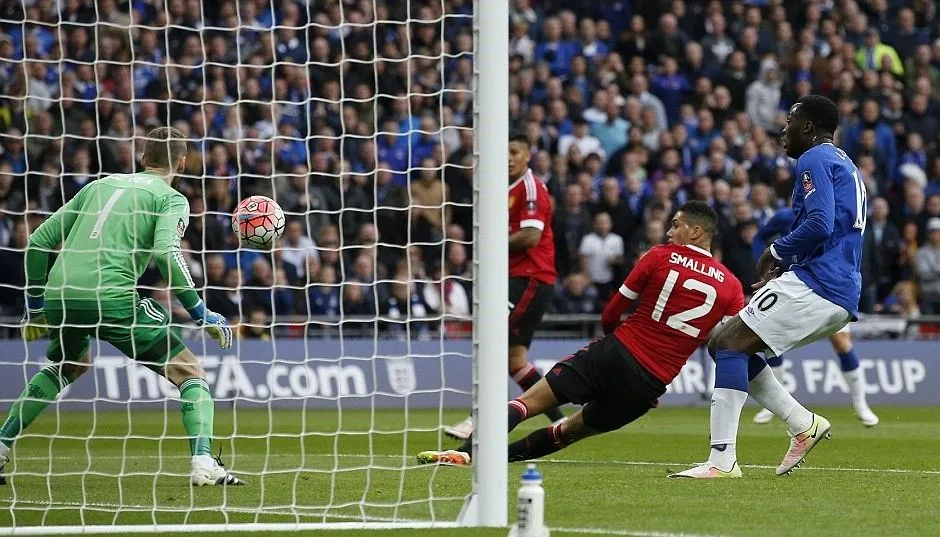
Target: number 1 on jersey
[(861, 202), (105, 211), (679, 320)]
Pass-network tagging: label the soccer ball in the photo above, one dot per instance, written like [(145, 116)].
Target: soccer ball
[(258, 222)]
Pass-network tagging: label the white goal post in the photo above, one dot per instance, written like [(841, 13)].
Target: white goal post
[(322, 409)]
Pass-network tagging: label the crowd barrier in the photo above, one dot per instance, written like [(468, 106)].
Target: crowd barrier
[(364, 373)]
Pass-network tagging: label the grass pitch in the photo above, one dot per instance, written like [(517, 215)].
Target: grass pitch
[(131, 467)]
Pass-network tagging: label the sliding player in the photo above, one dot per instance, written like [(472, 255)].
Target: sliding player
[(683, 294), (531, 271), (776, 227), (109, 231), (815, 297)]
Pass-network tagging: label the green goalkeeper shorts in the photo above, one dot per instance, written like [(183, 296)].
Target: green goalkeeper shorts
[(143, 333)]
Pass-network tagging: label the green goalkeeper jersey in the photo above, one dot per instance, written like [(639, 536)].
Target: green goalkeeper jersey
[(109, 233)]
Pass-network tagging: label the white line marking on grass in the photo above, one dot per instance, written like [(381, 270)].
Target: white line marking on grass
[(409, 458), (299, 511), (629, 533), (756, 466)]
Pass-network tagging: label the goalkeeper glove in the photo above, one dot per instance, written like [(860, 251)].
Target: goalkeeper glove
[(215, 324), (35, 325)]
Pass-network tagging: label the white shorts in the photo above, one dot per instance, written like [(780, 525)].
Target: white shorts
[(787, 314)]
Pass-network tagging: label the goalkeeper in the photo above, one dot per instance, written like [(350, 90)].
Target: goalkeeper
[(109, 231)]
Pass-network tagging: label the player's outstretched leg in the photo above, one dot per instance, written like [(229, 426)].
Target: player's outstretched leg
[(532, 403), (775, 363), (806, 428), (842, 344), (198, 413), (43, 388), (553, 438), (728, 400), (524, 373)]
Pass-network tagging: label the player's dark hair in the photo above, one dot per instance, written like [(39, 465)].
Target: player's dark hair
[(164, 148), (521, 138), (700, 214), (822, 111)]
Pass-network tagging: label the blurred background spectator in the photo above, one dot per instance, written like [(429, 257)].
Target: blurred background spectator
[(631, 109)]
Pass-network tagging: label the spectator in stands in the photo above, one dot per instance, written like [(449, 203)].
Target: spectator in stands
[(920, 121), (405, 303), (737, 251), (602, 254), (612, 202), (323, 297), (763, 96), (581, 139), (578, 295), (874, 54), (639, 88), (258, 326), (570, 223), (901, 301), (11, 266), (429, 215), (555, 50), (295, 248), (928, 269), (880, 255), (884, 136)]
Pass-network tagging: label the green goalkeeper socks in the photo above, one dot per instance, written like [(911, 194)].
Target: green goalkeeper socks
[(42, 389), (198, 414)]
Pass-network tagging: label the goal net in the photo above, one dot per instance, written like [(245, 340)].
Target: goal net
[(356, 336)]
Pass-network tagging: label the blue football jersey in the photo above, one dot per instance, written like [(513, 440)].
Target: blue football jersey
[(825, 242), (776, 226)]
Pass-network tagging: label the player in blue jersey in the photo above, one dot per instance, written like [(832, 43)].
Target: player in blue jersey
[(776, 227), (810, 284)]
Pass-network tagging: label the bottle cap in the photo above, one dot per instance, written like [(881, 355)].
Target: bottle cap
[(531, 474)]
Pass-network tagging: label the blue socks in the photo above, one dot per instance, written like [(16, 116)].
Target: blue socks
[(756, 364), (731, 370), (848, 360)]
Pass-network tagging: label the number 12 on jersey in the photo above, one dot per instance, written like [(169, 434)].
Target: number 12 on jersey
[(680, 320)]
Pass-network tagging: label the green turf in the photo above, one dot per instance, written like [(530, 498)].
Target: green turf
[(131, 468)]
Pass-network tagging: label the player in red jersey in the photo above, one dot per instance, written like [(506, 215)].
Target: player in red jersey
[(531, 271), (683, 294)]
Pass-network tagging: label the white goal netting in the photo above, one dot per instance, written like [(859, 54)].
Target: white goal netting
[(354, 337)]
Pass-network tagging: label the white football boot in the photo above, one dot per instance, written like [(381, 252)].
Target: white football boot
[(707, 470), (209, 471), (460, 431), (4, 459), (865, 415), (802, 443), (763, 417)]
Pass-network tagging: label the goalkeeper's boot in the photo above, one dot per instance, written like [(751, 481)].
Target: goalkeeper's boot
[(4, 459), (708, 470), (449, 457), (764, 416), (460, 431), (865, 415), (802, 443), (210, 471)]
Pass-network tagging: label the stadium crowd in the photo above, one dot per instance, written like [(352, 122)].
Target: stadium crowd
[(356, 119)]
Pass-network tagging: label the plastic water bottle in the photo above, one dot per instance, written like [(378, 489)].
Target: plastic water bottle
[(530, 516)]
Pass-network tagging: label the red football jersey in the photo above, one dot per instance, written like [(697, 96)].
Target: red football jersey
[(531, 206), (684, 293)]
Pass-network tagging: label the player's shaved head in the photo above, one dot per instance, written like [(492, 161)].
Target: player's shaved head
[(699, 213), (164, 149), (821, 110)]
